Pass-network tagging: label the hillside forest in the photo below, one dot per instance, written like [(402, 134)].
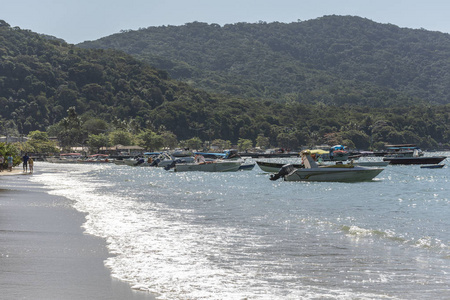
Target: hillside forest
[(333, 80)]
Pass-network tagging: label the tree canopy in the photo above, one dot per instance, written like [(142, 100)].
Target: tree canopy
[(332, 59), (74, 93)]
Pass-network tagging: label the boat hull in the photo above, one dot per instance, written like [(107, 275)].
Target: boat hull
[(422, 160), (227, 166), (333, 175), (371, 163), (432, 167), (272, 167), (247, 167)]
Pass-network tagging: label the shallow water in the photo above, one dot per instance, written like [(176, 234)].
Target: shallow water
[(239, 235)]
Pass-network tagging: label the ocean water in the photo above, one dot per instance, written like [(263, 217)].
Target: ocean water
[(239, 235)]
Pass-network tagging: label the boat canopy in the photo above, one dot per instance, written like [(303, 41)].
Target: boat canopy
[(318, 151), (338, 147), (152, 153), (224, 155)]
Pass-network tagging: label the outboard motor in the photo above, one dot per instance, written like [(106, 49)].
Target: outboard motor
[(140, 161), (286, 169), (172, 165), (155, 163)]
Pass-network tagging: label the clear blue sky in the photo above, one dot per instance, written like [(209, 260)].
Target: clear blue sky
[(79, 20)]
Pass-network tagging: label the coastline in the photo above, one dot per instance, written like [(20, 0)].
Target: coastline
[(44, 252)]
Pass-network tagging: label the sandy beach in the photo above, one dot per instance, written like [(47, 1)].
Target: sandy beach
[(44, 253)]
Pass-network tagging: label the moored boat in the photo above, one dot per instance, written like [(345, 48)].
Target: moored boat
[(416, 159), (334, 173), (66, 158), (432, 166), (209, 166), (273, 167), (96, 158)]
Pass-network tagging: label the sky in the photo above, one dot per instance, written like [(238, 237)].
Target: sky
[(76, 21)]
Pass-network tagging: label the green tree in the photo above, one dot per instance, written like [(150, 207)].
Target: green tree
[(71, 132), (244, 144), (97, 141), (7, 149), (169, 140), (222, 144), (194, 143), (262, 141), (38, 142), (120, 137), (150, 140), (95, 126), (287, 140)]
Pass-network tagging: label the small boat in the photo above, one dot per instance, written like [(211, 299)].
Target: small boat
[(423, 160), (66, 158), (416, 159), (334, 173), (272, 167), (209, 166), (156, 159), (432, 166), (95, 159), (226, 154), (400, 150)]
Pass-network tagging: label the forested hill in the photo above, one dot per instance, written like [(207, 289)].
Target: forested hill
[(41, 77), (333, 59)]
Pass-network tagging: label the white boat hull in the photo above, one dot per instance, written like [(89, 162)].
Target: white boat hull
[(225, 166)]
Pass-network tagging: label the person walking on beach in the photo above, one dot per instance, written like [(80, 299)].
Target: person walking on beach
[(10, 162), (2, 160), (25, 159), (31, 164)]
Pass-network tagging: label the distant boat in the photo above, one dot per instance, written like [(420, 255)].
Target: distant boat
[(96, 158), (371, 163), (423, 160), (331, 173), (416, 159), (210, 166), (400, 150), (226, 154), (432, 166), (67, 158)]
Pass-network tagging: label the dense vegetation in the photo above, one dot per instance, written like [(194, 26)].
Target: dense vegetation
[(333, 59), (82, 95)]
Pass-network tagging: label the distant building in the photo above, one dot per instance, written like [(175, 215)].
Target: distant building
[(13, 139), (122, 150)]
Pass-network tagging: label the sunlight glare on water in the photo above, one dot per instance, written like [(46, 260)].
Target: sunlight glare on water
[(197, 235)]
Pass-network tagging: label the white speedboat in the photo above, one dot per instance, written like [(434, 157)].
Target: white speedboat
[(209, 166), (313, 172)]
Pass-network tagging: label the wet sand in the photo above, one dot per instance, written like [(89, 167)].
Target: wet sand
[(44, 253)]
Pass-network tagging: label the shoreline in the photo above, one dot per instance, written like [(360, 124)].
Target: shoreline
[(44, 251)]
